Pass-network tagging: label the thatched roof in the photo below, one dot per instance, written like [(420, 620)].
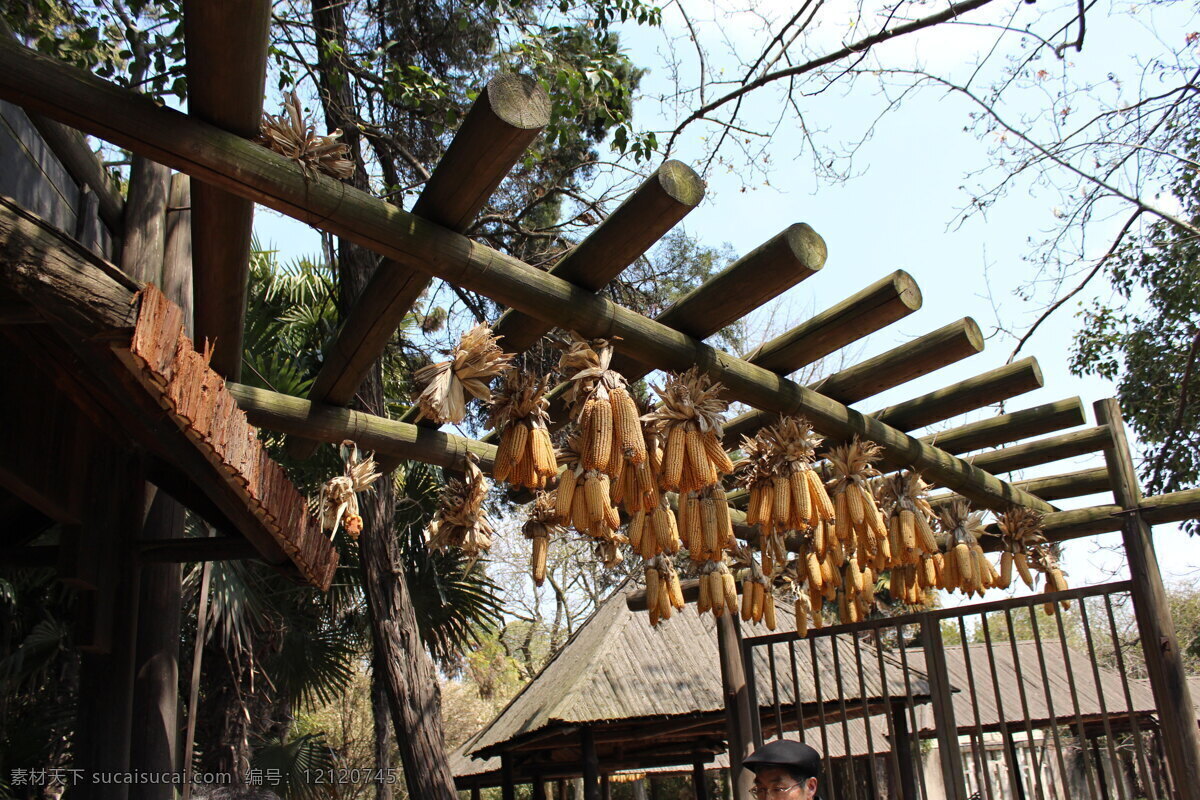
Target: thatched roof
[(619, 674)]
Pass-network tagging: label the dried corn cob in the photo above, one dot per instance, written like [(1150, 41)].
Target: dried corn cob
[(970, 570), (664, 595), (461, 520), (688, 419), (602, 406), (858, 518), (1020, 534), (784, 492), (902, 499), (519, 410), (1045, 559), (542, 524)]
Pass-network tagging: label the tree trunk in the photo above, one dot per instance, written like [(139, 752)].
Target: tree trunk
[(407, 672), (383, 734)]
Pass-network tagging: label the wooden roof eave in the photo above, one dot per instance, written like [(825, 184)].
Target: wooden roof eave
[(96, 311)]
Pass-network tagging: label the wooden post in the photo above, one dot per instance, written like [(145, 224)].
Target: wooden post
[(906, 781), (189, 739), (943, 710), (104, 726), (508, 790), (1168, 679), (738, 714), (539, 788), (699, 783), (605, 788), (475, 792), (591, 764)]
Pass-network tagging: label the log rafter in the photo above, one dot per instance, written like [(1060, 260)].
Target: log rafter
[(208, 153)]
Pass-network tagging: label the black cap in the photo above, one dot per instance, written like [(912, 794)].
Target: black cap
[(796, 757)]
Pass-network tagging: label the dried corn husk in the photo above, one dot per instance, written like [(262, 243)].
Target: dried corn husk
[(292, 136), (475, 361), (461, 520), (520, 411), (337, 502)]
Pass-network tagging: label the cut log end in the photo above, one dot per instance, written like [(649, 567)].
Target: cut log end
[(519, 100), (807, 246), (681, 182)]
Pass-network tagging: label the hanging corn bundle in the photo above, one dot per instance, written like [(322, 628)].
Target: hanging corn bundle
[(1045, 560), (758, 599), (582, 498), (337, 502), (856, 597), (858, 525), (602, 407), (786, 493), (636, 485), (664, 595), (541, 525), (520, 412), (704, 523), (653, 532), (474, 361), (718, 589), (902, 498), (964, 566), (461, 520), (1020, 534)]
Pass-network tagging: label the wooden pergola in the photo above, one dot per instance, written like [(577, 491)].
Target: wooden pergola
[(226, 47)]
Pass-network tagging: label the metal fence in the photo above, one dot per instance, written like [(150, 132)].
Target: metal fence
[(995, 701)]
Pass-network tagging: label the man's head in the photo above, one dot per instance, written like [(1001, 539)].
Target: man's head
[(784, 770)]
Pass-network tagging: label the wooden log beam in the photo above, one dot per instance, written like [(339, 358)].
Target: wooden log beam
[(1042, 451), (226, 46), (923, 355), (1053, 487), (990, 387), (624, 236), (1011, 427), (887, 300), (507, 116), (104, 109)]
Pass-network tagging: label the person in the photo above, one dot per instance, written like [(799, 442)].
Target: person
[(784, 770)]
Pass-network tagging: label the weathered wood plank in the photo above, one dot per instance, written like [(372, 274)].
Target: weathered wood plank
[(85, 167), (1042, 451), (104, 109), (1011, 427), (1053, 487)]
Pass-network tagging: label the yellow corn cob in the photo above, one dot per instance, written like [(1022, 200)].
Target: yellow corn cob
[(875, 521), (827, 569), (1022, 562), (769, 611), (839, 552), (802, 612), (983, 569), (637, 525), (616, 457), (747, 599), (884, 545), (690, 481), (908, 530), (696, 528), (868, 591), (768, 564), (619, 488), (841, 524), (716, 593), (752, 505), (731, 597), (756, 602), (938, 567), (704, 603), (612, 518), (563, 496), (696, 455), (549, 466), (816, 600), (820, 537), (716, 453), (721, 504), (580, 516), (665, 609), (801, 504), (672, 471), (854, 503), (653, 610), (925, 537), (676, 591), (819, 496), (813, 565), (652, 587), (708, 525), (511, 444), (929, 570), (540, 546), (964, 565), (598, 443), (628, 428), (781, 508), (1060, 584), (662, 532), (854, 574)]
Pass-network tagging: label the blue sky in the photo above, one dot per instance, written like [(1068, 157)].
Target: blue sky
[(897, 212)]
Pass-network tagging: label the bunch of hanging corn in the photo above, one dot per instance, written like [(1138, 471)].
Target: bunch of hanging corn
[(461, 520), (902, 498), (1020, 533), (908, 583), (653, 532), (688, 421), (636, 485), (718, 589), (1045, 560), (858, 523), (582, 498), (856, 597), (474, 361), (964, 566), (704, 523), (806, 612), (337, 502), (664, 595), (520, 412), (786, 493), (758, 598), (601, 405), (541, 525)]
